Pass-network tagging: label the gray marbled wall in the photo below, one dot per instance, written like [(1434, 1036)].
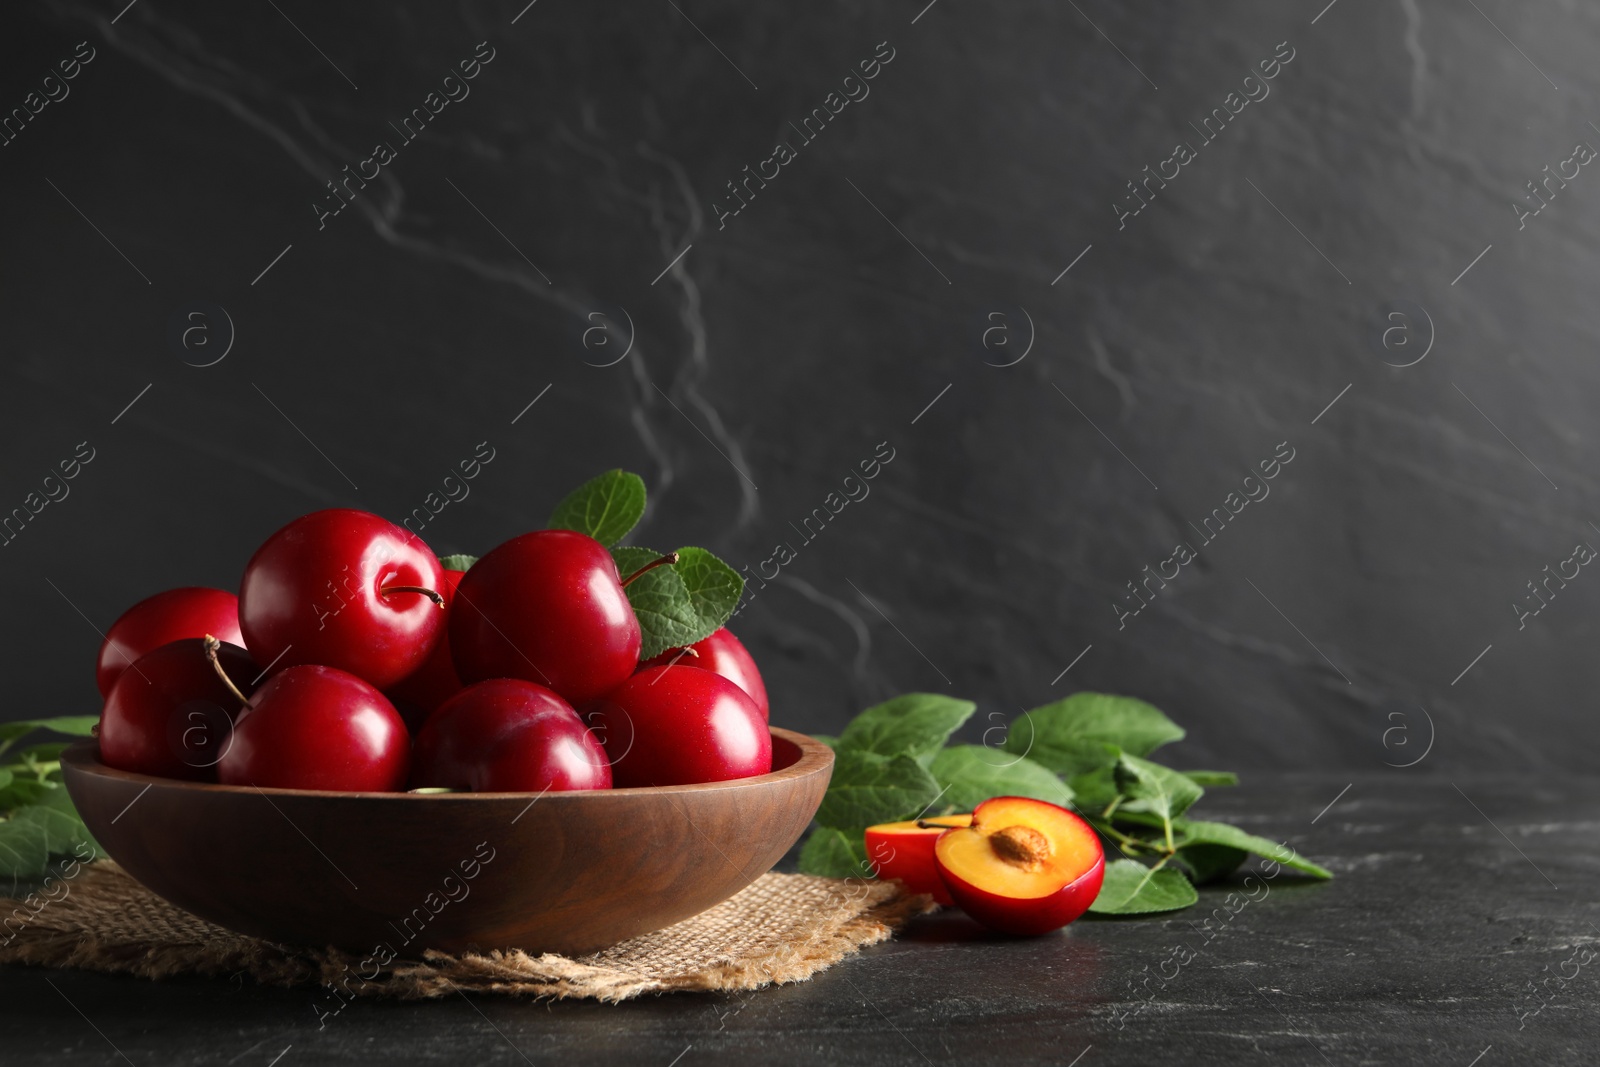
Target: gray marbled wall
[(896, 283)]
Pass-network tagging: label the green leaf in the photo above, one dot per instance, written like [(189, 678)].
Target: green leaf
[(630, 558), (1193, 831), (458, 562), (5, 778), (10, 731), (714, 588), (61, 830), (1207, 863), (71, 725), (1154, 789), (22, 791), (916, 724), (23, 853), (868, 789), (48, 752), (827, 739), (54, 814), (605, 507), (834, 854), (1209, 779), (681, 603), (971, 774), (1095, 790), (1084, 732), (1131, 888), (61, 800), (660, 601)]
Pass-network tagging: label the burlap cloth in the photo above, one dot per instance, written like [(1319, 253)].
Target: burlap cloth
[(782, 928)]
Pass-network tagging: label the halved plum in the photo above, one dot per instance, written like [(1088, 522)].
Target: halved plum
[(904, 850), (1023, 866)]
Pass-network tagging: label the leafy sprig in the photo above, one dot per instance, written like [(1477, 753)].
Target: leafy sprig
[(677, 605), (37, 819), (606, 507), (1089, 751)]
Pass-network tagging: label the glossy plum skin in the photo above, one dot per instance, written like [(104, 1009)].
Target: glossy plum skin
[(313, 727), (680, 725), (420, 693), (169, 715), (901, 850), (546, 607), (161, 619), (506, 735), (311, 594), (1027, 918), (724, 654)]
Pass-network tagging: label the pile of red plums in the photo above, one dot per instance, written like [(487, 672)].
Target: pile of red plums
[(352, 660)]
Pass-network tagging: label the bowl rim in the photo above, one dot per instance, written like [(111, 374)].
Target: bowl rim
[(84, 757)]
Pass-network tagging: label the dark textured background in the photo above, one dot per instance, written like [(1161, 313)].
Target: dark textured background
[(791, 342), (1361, 615)]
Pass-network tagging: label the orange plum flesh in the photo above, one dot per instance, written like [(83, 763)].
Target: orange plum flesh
[(1023, 866)]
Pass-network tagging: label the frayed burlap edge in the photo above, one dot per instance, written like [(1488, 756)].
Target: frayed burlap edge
[(782, 928)]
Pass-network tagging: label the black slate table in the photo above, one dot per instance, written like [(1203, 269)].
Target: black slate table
[(1455, 933)]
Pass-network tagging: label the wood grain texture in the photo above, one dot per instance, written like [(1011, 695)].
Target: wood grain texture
[(554, 872)]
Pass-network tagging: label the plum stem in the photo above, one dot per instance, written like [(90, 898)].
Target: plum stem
[(438, 601), (924, 824), (665, 561), (211, 646)]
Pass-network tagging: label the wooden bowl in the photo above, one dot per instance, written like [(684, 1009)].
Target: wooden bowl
[(554, 872)]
